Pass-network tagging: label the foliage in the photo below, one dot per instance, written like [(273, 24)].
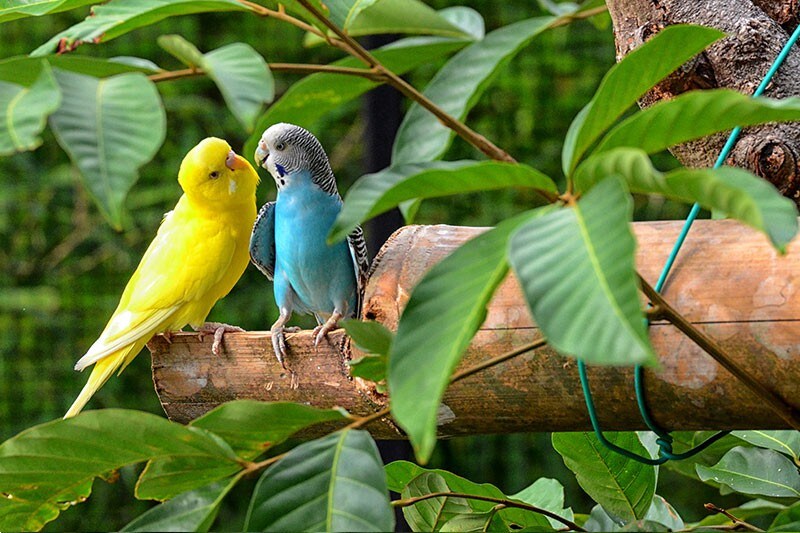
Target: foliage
[(109, 116)]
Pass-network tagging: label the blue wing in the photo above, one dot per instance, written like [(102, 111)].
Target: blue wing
[(262, 241)]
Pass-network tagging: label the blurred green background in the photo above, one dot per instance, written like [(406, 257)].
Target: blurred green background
[(62, 268)]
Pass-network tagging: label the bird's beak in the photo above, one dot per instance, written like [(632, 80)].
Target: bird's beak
[(261, 153), (235, 162)]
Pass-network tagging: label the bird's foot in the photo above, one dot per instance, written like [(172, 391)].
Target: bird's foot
[(218, 330), (279, 343), (321, 332)]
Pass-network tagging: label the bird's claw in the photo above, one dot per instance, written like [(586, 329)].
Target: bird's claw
[(218, 330), (320, 332), (279, 344)]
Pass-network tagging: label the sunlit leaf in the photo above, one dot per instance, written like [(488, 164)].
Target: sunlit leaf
[(733, 191), (16, 9), (445, 310), (624, 487), (119, 17), (456, 88), (24, 111), (48, 467), (181, 49), (576, 268), (629, 79), (335, 483), (785, 441), (109, 127), (755, 471), (376, 193), (398, 16), (24, 70)]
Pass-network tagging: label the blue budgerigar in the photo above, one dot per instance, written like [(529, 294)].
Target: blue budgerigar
[(289, 237)]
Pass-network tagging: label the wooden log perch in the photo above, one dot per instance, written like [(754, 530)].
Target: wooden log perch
[(728, 281)]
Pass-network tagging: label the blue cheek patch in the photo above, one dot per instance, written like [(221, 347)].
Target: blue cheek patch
[(281, 170)]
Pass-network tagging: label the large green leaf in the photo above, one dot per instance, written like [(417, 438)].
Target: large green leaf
[(445, 310), (314, 96), (624, 487), (784, 441), (576, 267), (787, 520), (660, 517), (24, 111), (696, 114), (397, 16), (16, 9), (119, 17), (248, 426), (49, 467), (545, 493), (335, 483), (755, 471), (629, 79), (374, 194), (733, 191), (456, 87), (109, 127), (433, 513), (190, 511)]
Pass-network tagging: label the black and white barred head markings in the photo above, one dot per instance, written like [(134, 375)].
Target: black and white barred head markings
[(289, 149)]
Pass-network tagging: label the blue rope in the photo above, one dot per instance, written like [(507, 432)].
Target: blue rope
[(664, 440)]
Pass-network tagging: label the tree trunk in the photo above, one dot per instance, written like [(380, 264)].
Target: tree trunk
[(757, 30)]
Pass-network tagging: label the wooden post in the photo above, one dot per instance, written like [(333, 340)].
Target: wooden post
[(728, 281)]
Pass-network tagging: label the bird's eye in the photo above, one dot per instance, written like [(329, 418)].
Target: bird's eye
[(280, 145), (214, 175)]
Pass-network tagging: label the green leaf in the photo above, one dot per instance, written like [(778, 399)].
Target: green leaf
[(629, 79), (456, 88), (576, 268), (24, 70), (109, 128), (545, 493), (433, 513), (755, 471), (477, 522), (441, 317), (785, 441), (377, 193), (49, 467), (733, 191), (306, 101), (119, 17), (243, 78), (182, 50), (241, 74), (369, 336), (624, 487), (397, 16), (787, 520), (17, 9), (335, 483), (24, 112), (250, 427), (684, 440), (190, 511), (693, 115)]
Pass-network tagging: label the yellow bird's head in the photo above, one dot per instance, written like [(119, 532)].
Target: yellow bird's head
[(214, 174)]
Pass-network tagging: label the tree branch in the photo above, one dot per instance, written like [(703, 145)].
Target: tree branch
[(508, 503), (736, 521), (302, 68), (786, 411), (281, 14)]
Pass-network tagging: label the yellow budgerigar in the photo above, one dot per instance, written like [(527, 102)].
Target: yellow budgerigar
[(199, 253)]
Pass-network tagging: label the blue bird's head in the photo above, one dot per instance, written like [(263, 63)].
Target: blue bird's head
[(292, 153)]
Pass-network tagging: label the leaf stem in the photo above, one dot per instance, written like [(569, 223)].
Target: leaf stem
[(351, 46), (538, 343), (736, 521), (785, 410), (508, 503), (281, 14)]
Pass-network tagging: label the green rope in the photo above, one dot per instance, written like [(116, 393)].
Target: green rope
[(664, 439)]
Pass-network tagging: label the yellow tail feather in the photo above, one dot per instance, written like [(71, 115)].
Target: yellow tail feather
[(103, 369)]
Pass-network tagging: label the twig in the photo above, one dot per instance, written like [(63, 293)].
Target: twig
[(352, 47), (281, 14), (785, 410), (736, 521), (538, 343), (508, 503), (250, 467), (302, 68)]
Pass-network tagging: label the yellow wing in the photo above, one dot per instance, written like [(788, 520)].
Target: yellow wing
[(182, 266)]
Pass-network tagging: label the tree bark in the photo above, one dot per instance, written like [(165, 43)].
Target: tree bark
[(729, 282), (757, 30)]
